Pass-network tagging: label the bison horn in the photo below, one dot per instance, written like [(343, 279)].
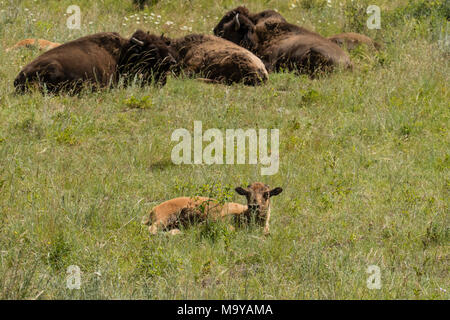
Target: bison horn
[(238, 24), (136, 41)]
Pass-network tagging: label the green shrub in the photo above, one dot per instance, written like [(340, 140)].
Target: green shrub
[(138, 103)]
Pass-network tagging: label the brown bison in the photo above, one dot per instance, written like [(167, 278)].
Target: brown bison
[(279, 44), (98, 60), (218, 60), (351, 40)]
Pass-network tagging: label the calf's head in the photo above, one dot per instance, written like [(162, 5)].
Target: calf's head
[(148, 57), (258, 200)]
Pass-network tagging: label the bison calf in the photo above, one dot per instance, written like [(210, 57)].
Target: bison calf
[(184, 211), (41, 44), (98, 60)]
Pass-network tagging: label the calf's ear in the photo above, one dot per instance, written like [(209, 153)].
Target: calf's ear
[(241, 191), (275, 191)]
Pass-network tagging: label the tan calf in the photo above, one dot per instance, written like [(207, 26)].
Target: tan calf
[(172, 214), (42, 44)]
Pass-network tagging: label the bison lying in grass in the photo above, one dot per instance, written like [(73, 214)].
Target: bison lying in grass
[(98, 60), (279, 44), (218, 60), (184, 211)]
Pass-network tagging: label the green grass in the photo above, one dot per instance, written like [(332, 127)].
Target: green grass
[(364, 163)]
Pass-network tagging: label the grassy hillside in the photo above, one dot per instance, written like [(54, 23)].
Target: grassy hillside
[(364, 163)]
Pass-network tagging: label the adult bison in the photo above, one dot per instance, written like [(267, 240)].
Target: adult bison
[(279, 44), (98, 60), (218, 59)]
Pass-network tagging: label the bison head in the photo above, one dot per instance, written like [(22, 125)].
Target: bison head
[(147, 57), (243, 11), (237, 27), (258, 200)]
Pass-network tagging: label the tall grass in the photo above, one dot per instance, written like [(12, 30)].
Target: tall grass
[(364, 166)]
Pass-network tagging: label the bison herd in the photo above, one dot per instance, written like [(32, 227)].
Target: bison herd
[(245, 47)]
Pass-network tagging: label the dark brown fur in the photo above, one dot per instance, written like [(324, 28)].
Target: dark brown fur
[(265, 15), (281, 45), (97, 60), (150, 62), (254, 18)]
